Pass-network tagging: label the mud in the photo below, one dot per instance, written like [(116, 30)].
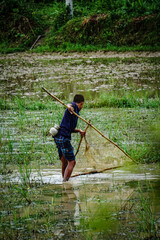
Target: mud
[(24, 74)]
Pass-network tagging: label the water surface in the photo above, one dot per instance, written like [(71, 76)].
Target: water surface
[(122, 203)]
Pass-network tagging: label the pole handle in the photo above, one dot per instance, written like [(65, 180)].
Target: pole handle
[(81, 139)]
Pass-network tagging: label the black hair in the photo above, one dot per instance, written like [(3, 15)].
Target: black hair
[(78, 98)]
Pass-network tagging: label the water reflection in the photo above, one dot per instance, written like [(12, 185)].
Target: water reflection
[(99, 201), (71, 202), (101, 205)]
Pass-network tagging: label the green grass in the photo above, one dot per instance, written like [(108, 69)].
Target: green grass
[(69, 47), (125, 101), (122, 100), (26, 140), (32, 209), (27, 220), (5, 48), (26, 104), (77, 47)]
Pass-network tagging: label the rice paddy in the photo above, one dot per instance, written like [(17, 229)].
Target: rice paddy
[(122, 101)]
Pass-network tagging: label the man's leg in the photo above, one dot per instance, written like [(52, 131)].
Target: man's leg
[(64, 164), (69, 170)]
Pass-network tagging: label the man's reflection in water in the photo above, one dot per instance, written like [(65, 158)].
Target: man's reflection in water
[(70, 202), (67, 214)]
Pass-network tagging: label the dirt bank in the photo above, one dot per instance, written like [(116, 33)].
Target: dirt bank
[(98, 54)]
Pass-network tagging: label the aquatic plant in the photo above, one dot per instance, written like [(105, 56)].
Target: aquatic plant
[(25, 173), (145, 218)]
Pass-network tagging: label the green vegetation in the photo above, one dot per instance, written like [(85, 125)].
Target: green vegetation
[(20, 24), (105, 100), (32, 209), (96, 25), (125, 88), (28, 121), (27, 211), (126, 100), (122, 101), (107, 219), (104, 32)]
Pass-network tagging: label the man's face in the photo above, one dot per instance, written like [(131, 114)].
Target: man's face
[(80, 105)]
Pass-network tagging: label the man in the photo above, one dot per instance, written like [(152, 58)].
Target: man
[(63, 137)]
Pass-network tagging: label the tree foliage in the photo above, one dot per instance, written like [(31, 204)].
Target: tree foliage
[(19, 21), (23, 20)]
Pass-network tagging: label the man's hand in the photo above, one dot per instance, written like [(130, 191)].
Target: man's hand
[(70, 108), (82, 132)]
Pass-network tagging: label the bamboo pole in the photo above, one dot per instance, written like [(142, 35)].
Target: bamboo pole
[(95, 171), (81, 139), (57, 99)]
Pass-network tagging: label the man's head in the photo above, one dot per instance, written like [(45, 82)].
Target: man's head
[(79, 100)]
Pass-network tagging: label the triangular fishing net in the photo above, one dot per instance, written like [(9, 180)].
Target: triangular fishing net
[(96, 154)]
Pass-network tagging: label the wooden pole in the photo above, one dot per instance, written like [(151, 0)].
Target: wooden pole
[(95, 171), (87, 123), (81, 139)]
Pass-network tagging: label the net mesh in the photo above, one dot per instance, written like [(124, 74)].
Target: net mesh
[(96, 154)]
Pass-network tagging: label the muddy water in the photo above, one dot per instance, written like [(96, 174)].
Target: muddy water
[(106, 205), (109, 205), (91, 74)]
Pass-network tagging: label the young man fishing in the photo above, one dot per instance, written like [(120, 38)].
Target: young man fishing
[(63, 137)]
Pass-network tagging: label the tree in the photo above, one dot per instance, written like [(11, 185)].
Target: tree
[(70, 4)]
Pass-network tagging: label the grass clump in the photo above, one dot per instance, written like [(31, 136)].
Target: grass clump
[(18, 103), (126, 101)]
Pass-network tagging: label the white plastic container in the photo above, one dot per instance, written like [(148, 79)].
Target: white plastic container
[(54, 130)]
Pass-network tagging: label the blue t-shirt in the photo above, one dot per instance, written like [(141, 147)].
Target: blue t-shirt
[(69, 122)]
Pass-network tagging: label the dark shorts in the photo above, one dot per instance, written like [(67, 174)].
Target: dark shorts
[(64, 148)]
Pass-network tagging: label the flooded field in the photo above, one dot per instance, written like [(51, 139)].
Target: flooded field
[(123, 203), (90, 74), (119, 204)]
